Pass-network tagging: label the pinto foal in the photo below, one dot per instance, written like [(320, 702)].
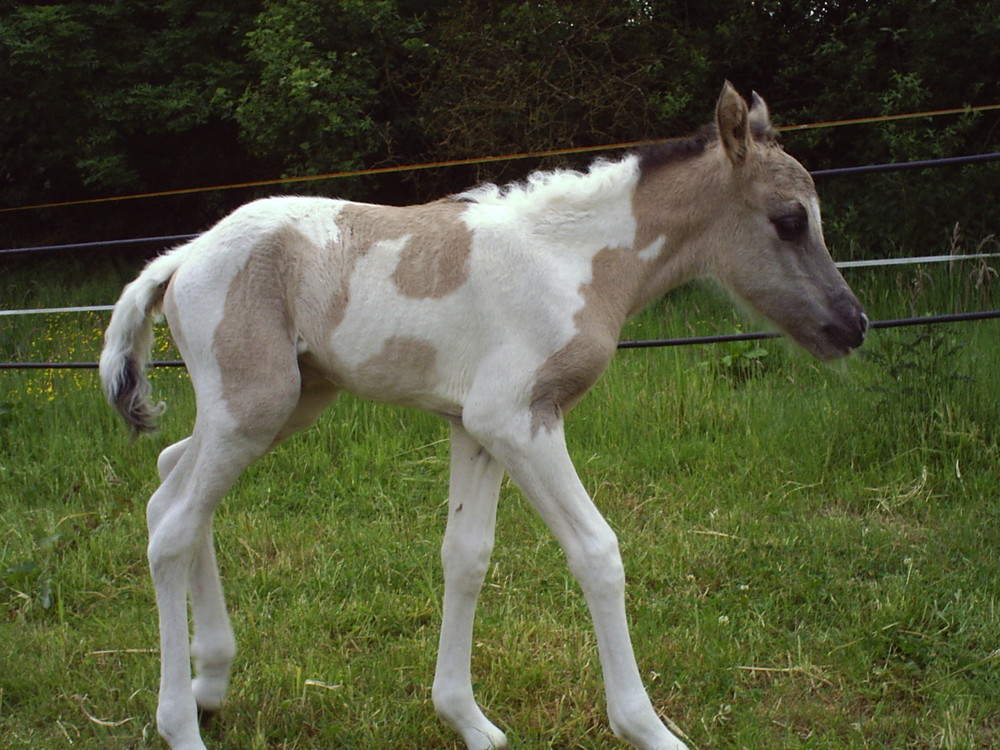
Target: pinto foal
[(496, 309)]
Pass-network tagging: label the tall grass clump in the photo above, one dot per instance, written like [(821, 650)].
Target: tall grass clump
[(811, 549)]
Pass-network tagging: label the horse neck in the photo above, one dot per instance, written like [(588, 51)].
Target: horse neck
[(672, 207), (613, 220), (634, 231)]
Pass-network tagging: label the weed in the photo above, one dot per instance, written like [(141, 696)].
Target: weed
[(5, 414), (740, 361), (916, 370)]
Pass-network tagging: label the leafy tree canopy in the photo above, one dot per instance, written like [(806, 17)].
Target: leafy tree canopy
[(106, 98)]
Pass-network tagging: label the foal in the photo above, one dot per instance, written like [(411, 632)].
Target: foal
[(496, 309)]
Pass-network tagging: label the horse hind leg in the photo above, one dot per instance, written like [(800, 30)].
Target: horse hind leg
[(198, 473), (316, 393), (213, 645), (169, 457), (182, 561)]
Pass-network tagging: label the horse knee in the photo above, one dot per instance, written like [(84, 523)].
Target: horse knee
[(465, 564)]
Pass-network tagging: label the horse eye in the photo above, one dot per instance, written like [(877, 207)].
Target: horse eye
[(790, 227)]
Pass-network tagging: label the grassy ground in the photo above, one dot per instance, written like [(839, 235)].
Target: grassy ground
[(812, 551)]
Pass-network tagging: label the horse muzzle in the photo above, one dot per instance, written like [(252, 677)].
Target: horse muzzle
[(846, 335)]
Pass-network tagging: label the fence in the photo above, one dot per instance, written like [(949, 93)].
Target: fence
[(691, 340), (167, 239), (495, 158), (641, 344)]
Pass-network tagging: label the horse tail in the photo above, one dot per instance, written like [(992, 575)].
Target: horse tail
[(129, 339)]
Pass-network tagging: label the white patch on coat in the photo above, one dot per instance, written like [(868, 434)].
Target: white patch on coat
[(652, 251)]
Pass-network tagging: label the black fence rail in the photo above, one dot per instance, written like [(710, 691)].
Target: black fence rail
[(755, 336), (644, 344)]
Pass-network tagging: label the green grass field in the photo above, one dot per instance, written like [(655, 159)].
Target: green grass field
[(811, 550)]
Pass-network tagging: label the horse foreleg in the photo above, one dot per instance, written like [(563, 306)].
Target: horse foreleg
[(539, 463), (465, 555)]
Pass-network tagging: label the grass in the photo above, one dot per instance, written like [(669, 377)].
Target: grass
[(812, 551)]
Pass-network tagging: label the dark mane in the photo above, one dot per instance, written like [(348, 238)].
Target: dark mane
[(656, 155)]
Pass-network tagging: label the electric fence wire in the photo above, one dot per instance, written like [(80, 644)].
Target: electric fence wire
[(863, 169), (870, 120), (874, 263)]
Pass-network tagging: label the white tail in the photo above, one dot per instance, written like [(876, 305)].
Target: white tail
[(128, 340)]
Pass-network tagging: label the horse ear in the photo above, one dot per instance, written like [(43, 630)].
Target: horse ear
[(760, 116), (733, 121)]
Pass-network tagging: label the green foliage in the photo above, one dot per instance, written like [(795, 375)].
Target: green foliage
[(93, 90), (315, 91), (108, 98), (915, 366), (737, 362)]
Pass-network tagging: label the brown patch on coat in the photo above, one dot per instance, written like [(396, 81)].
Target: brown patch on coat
[(405, 367), (669, 206), (254, 342), (677, 183), (569, 373), (434, 261), (291, 286)]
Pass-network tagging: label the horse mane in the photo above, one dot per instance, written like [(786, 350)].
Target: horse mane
[(562, 187), (557, 188), (655, 155)]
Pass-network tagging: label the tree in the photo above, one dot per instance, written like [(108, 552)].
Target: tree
[(91, 89), (104, 98), (319, 73)]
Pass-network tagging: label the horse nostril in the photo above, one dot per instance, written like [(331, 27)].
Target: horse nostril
[(864, 324)]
